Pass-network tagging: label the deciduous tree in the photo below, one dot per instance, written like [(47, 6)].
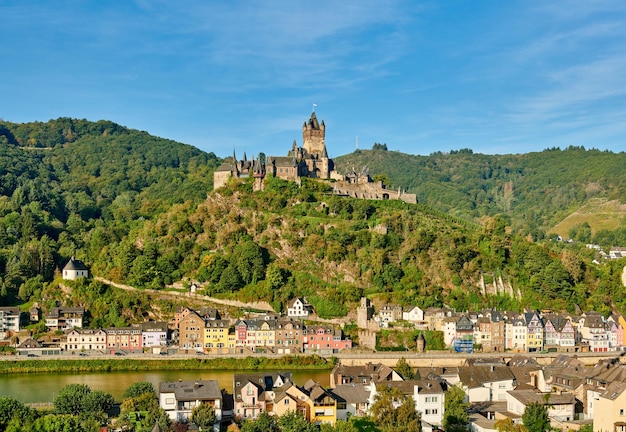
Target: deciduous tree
[(204, 416), (455, 417), (535, 417)]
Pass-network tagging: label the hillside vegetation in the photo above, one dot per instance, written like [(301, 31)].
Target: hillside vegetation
[(533, 191), (71, 187), (138, 210)]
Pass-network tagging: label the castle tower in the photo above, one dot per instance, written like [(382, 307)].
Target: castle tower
[(364, 313), (313, 135), (259, 175)]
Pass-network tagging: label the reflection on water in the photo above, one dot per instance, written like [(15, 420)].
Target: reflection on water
[(38, 388)]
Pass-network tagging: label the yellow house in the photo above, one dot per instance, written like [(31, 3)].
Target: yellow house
[(304, 405), (535, 330), (322, 404), (294, 400), (261, 333), (609, 413), (216, 333), (232, 339)]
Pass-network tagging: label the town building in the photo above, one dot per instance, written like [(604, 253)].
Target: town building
[(124, 340), (325, 338), (464, 337), (191, 331), (179, 398), (610, 409), (63, 318), (79, 339), (256, 393), (366, 374), (352, 400), (561, 407), (10, 319), (298, 308), (216, 336), (75, 269), (289, 337)]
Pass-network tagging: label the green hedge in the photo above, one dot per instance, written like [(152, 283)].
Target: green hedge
[(222, 363)]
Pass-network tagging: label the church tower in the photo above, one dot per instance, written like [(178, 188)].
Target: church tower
[(313, 134)]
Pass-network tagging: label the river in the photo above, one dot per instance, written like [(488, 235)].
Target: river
[(42, 387)]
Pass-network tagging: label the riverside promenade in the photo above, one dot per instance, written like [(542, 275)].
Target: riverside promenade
[(428, 359)]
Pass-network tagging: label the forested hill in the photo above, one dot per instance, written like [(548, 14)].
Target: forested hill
[(75, 166), (140, 210), (73, 186), (534, 191)]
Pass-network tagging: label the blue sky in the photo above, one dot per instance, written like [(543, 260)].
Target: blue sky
[(498, 77)]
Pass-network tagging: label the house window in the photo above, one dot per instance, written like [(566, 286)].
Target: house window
[(621, 411)]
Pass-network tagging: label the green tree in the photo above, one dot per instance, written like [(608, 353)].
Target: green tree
[(250, 260), (78, 399), (403, 368), (97, 401), (535, 417), (340, 426), (230, 280), (137, 389), (70, 399), (144, 402), (204, 417), (57, 423), (263, 423), (295, 422), (275, 276), (11, 408), (393, 411), (508, 425), (455, 416)]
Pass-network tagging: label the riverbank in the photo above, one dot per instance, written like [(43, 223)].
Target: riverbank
[(312, 362)]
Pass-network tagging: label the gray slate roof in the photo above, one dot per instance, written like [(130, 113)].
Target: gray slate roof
[(192, 390), (351, 393), (74, 264)]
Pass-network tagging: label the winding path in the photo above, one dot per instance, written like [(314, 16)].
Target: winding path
[(260, 305)]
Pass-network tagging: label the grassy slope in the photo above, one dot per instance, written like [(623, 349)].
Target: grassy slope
[(535, 190), (599, 213)]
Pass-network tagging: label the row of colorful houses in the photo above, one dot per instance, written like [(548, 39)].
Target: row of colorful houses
[(534, 332), (497, 331), (197, 332), (133, 339)]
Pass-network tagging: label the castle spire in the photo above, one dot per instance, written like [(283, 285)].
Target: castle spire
[(235, 163)]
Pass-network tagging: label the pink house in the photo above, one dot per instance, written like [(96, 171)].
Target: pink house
[(325, 338)]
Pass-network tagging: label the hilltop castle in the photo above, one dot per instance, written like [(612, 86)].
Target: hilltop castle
[(311, 161)]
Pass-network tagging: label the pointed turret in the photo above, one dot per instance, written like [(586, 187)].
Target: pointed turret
[(313, 135), (235, 169)]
